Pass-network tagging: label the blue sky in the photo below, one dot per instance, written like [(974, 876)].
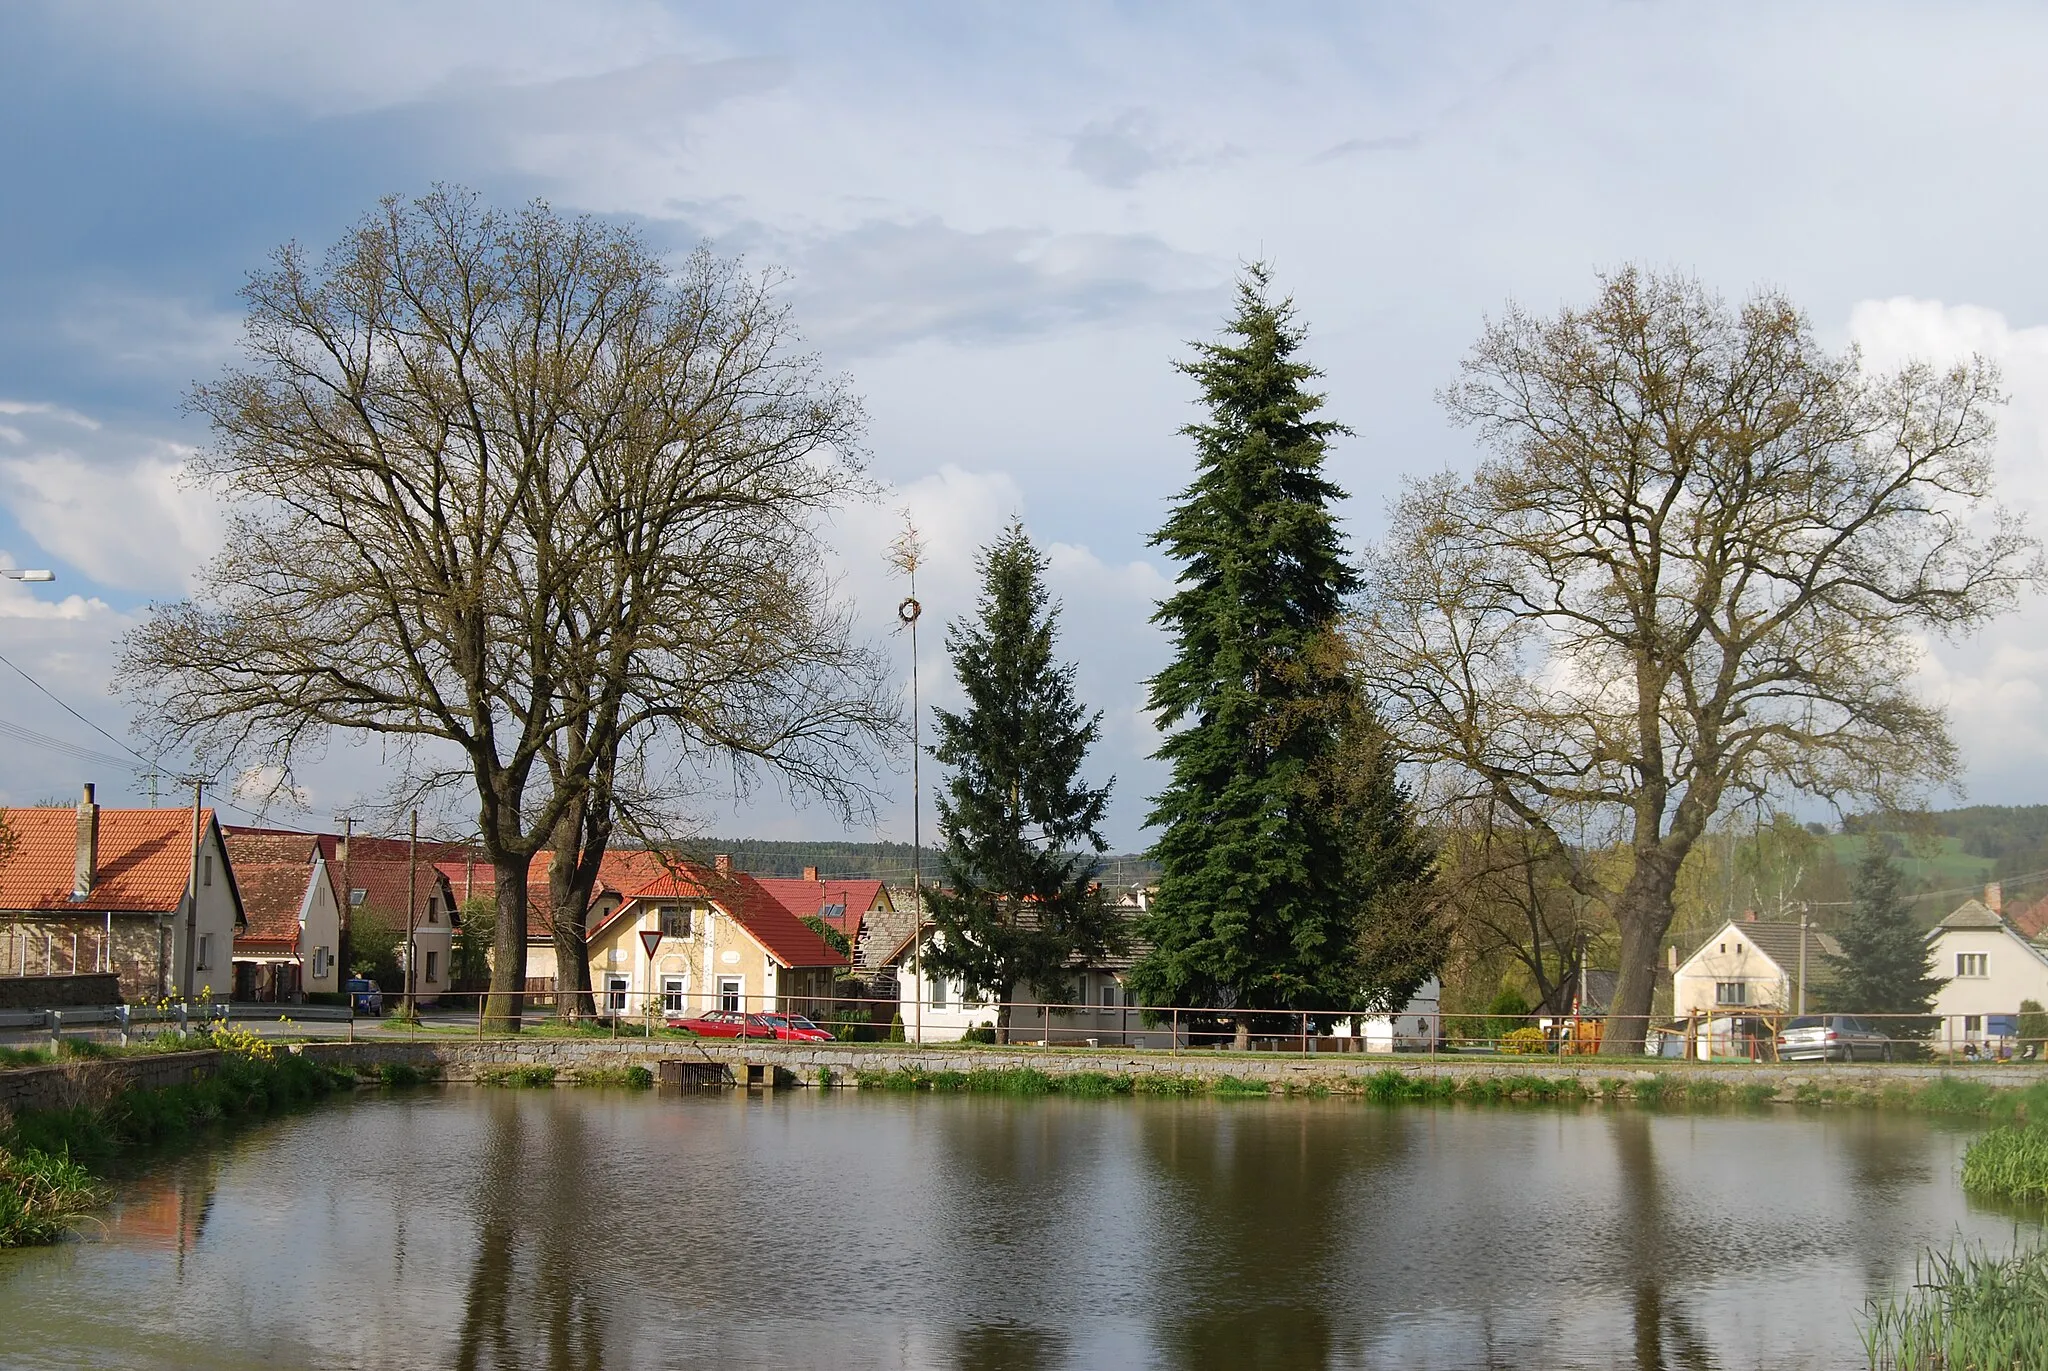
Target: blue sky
[(1003, 222)]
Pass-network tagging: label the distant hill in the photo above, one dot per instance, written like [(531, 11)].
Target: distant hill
[(889, 862), (1977, 842)]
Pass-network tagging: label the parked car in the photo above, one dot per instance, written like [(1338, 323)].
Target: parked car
[(1832, 1038), (363, 995), (724, 1023), (795, 1028)]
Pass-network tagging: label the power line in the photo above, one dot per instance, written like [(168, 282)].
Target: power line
[(76, 715)]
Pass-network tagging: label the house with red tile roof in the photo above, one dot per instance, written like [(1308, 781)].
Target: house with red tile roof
[(844, 905), (291, 944), (695, 938), (387, 881), (147, 894)]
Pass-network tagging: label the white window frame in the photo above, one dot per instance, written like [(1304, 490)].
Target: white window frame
[(616, 988), (1973, 966), (732, 994), (1723, 999), (937, 999), (675, 994), (1109, 994)]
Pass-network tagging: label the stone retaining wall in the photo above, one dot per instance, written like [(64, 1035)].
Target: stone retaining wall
[(90, 1081), (59, 992), (462, 1060)]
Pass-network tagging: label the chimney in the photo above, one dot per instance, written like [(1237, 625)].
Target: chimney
[(1749, 916), (86, 869), (810, 873), (722, 863), (1994, 898)]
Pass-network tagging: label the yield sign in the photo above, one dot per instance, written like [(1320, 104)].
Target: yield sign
[(650, 938)]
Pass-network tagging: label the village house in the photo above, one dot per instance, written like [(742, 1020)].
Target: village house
[(860, 910), (695, 939), (1989, 966), (1750, 966), (291, 944), (147, 894), (388, 882)]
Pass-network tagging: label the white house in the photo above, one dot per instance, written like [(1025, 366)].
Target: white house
[(1415, 1029), (1989, 968), (1749, 965)]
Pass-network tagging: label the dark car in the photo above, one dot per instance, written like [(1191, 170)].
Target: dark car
[(1832, 1038), (363, 995), (725, 1023)]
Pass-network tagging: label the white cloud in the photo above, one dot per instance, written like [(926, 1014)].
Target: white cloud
[(109, 502), (166, 335), (1991, 685)]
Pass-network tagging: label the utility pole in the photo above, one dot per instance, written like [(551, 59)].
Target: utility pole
[(412, 888), (188, 963), (905, 553), (1802, 964), (348, 907)]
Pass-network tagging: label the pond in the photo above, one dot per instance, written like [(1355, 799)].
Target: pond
[(585, 1229)]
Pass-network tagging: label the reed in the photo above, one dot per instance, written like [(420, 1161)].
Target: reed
[(1967, 1311), (2010, 1162)]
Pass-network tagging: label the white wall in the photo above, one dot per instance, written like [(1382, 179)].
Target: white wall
[(1768, 985), (2014, 971)]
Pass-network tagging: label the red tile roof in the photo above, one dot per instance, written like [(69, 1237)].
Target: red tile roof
[(144, 860), (803, 896), (273, 893), (617, 873), (786, 938)]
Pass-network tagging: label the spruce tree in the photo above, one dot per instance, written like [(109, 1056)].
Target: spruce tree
[(1277, 857), (1017, 902), (1886, 964)]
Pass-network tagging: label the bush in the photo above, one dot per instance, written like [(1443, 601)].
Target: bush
[(896, 1029), (980, 1033), (1525, 1042), (2033, 1028)]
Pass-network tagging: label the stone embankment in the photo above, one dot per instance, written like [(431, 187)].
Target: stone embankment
[(94, 1080), (460, 1060)]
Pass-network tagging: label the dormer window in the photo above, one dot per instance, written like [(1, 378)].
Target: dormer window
[(357, 896), (675, 921)]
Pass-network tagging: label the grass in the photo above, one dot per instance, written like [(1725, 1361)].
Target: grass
[(2010, 1162), (1030, 1081), (618, 1077), (1967, 1311), (52, 1161), (517, 1077)]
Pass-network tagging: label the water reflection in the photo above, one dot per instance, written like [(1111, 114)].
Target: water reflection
[(574, 1230), (530, 1201)]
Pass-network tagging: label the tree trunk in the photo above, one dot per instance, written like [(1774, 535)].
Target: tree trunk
[(572, 877), (1644, 914), (507, 1001), (1003, 1014)]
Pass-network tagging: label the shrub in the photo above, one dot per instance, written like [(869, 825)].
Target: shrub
[(980, 1033), (896, 1028), (2033, 1028), (399, 1075), (1525, 1042), (2010, 1162)]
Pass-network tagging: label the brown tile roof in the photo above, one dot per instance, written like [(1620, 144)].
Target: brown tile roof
[(1972, 914), (786, 937), (2030, 919), (145, 860), (617, 873), (273, 893), (248, 848)]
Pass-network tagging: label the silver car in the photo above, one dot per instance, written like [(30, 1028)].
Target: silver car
[(1832, 1038)]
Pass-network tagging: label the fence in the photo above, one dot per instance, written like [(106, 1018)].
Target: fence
[(1752, 1035), (45, 952)]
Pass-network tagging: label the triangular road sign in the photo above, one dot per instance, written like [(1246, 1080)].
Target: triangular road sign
[(650, 938)]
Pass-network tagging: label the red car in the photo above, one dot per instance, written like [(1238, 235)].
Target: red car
[(725, 1023), (793, 1028)]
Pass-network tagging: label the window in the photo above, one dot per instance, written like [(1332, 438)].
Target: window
[(209, 870), (433, 967), (1973, 964), (672, 994), (615, 994), (357, 896), (729, 994), (433, 916), (675, 921), (320, 955), (939, 994), (1973, 1023), (1724, 949), (205, 952), (1109, 997), (1731, 992)]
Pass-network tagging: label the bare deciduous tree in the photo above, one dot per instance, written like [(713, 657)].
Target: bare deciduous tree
[(1691, 575), (507, 485)]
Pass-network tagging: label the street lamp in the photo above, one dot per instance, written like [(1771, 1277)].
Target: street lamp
[(15, 574)]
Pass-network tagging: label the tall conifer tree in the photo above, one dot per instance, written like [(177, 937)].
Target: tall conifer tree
[(1017, 902), (1886, 965), (1279, 858)]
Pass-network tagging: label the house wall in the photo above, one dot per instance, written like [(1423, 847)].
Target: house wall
[(41, 944), (1082, 1017), (2014, 971), (320, 927), (718, 948), (1768, 985), (213, 929)]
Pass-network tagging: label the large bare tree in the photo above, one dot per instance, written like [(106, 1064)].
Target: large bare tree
[(1693, 573), (509, 489)]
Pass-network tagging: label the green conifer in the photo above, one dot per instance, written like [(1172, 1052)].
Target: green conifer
[(1017, 902), (1886, 963), (1278, 855)]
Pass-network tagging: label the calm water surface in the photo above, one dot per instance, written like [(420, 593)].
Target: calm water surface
[(578, 1230)]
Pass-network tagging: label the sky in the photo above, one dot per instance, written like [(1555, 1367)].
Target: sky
[(1004, 224)]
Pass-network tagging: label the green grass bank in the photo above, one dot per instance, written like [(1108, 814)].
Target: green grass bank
[(1967, 1311)]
